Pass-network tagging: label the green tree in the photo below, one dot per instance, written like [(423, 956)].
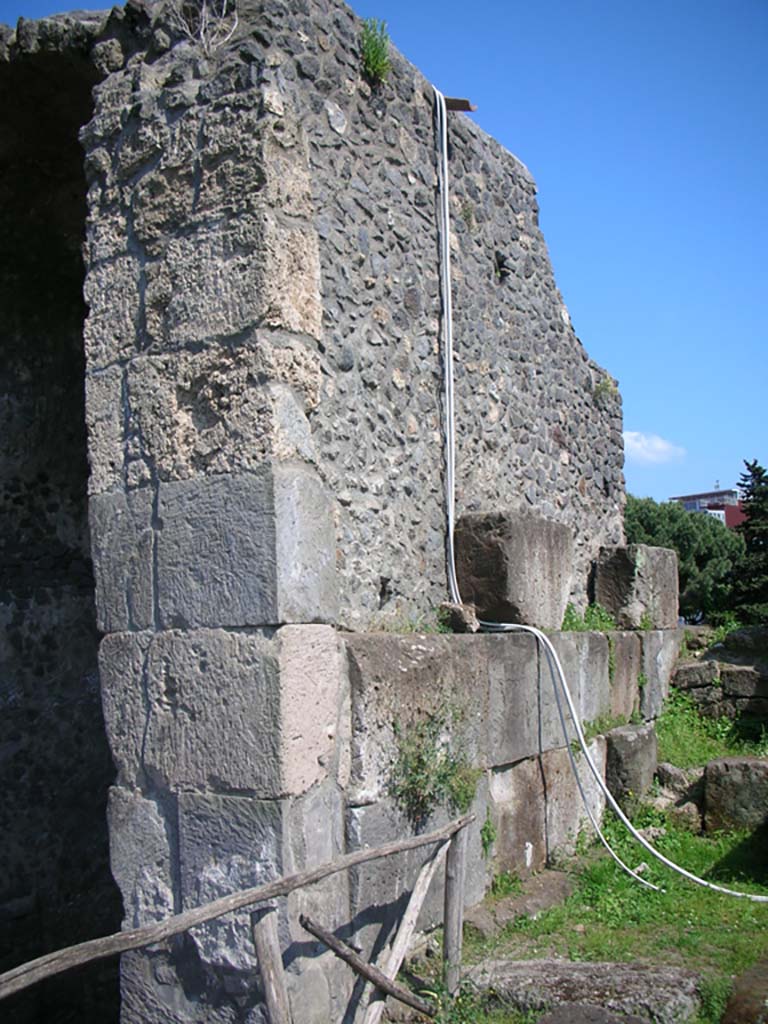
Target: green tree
[(750, 576), (707, 552)]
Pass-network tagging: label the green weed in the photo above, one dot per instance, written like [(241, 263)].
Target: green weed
[(595, 618), (430, 768), (374, 45), (505, 884), (488, 834)]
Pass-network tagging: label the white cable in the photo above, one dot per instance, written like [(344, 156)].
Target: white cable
[(556, 669)]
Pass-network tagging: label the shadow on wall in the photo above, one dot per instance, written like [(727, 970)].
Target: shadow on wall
[(55, 766)]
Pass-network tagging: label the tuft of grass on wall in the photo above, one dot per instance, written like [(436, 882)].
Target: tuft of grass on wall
[(374, 45)]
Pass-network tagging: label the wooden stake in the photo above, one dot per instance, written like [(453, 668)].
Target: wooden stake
[(265, 939), (453, 915), (393, 960), (368, 971), (50, 964)]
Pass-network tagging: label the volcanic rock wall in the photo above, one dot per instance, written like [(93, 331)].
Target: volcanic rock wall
[(263, 404)]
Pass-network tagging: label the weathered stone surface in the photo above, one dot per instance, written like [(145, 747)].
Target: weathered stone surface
[(735, 793), (487, 684), (515, 568), (209, 708), (246, 549), (227, 843), (632, 753), (638, 586), (122, 545), (565, 811), (141, 839), (748, 1001), (660, 649), (539, 892), (627, 665), (585, 661), (693, 675), (668, 995), (743, 681), (587, 1013), (518, 811)]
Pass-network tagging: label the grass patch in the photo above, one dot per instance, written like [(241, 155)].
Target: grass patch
[(689, 740), (505, 884), (594, 619), (374, 45), (610, 917)]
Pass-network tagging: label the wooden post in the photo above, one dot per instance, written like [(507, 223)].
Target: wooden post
[(367, 971), (265, 939), (394, 958), (453, 915)]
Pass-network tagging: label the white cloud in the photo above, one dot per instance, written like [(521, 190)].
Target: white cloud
[(650, 448)]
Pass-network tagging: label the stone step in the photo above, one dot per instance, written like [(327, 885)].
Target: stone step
[(665, 995)]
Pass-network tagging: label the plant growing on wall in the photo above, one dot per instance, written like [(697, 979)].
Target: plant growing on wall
[(375, 50), (209, 24), (431, 768)]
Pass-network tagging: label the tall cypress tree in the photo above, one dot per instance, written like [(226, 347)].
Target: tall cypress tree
[(750, 577)]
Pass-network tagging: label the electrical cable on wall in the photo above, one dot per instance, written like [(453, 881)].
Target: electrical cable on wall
[(555, 667)]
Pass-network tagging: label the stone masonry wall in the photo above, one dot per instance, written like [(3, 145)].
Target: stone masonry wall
[(263, 405)]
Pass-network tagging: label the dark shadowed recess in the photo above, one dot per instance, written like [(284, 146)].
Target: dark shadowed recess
[(55, 885)]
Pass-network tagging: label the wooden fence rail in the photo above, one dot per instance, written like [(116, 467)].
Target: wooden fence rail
[(96, 949)]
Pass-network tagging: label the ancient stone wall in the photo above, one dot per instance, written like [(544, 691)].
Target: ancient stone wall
[(263, 405)]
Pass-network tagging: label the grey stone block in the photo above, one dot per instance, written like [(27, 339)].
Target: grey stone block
[(632, 755), (510, 730), (246, 549), (667, 995), (565, 811), (121, 549), (584, 659), (227, 843), (638, 585), (693, 675), (486, 684), (256, 712), (736, 793), (515, 568), (140, 856), (517, 803), (743, 681), (627, 665), (660, 650)]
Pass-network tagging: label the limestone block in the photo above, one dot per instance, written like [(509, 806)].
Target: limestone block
[(140, 856), (638, 585), (214, 709), (627, 665), (736, 793), (743, 681), (104, 416), (380, 888), (208, 412), (584, 658), (511, 728), (515, 568), (122, 553), (151, 992), (660, 650), (565, 811), (632, 755), (517, 802), (246, 549), (487, 685), (113, 293)]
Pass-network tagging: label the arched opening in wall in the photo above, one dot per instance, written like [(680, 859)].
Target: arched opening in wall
[(55, 766)]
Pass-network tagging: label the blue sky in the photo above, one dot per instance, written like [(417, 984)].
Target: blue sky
[(644, 126)]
